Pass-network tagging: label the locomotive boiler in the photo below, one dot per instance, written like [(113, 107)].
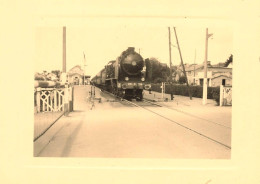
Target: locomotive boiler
[(126, 77)]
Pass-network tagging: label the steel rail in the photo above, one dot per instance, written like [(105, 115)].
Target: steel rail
[(227, 146), (192, 115)]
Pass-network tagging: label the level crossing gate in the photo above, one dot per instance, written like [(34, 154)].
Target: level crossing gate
[(49, 105), (225, 96), (50, 99)]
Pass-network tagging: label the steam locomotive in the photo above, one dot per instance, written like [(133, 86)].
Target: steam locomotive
[(127, 76)]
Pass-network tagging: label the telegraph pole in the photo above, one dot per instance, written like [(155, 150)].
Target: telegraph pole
[(205, 80), (194, 68), (182, 64), (64, 74), (170, 52), (170, 56)]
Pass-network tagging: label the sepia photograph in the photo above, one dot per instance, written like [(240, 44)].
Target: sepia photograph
[(133, 92), (129, 92)]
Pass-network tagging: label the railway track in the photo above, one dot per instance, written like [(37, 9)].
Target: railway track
[(214, 131), (189, 114)]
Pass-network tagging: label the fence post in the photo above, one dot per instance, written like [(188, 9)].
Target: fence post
[(71, 99), (38, 99), (221, 95), (51, 99), (162, 89), (47, 100), (55, 100), (66, 100)]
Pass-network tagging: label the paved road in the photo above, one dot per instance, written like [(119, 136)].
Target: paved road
[(112, 129)]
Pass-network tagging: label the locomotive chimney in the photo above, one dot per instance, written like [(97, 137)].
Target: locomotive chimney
[(131, 49)]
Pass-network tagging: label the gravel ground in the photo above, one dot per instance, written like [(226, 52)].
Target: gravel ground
[(44, 120)]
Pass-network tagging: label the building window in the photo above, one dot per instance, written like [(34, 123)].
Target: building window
[(201, 82), (223, 82)]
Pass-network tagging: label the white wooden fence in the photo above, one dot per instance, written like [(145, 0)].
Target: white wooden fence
[(52, 99), (50, 104), (225, 95)]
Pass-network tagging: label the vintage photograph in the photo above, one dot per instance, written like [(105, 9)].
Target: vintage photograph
[(131, 91)]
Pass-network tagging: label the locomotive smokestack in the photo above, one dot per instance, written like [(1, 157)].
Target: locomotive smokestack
[(131, 49)]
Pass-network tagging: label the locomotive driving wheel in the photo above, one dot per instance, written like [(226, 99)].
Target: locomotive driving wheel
[(139, 95)]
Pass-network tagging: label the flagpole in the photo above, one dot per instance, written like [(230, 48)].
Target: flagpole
[(84, 69)]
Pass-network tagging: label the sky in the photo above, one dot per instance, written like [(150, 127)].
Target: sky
[(104, 43)]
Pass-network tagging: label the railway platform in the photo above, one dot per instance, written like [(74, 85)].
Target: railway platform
[(178, 99)]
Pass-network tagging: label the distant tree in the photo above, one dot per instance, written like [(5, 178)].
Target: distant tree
[(44, 74), (174, 73), (57, 73), (38, 76), (229, 60), (160, 71), (158, 80), (166, 74), (182, 80)]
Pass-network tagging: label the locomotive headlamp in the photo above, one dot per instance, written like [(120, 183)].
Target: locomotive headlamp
[(134, 63), (126, 78), (142, 79)]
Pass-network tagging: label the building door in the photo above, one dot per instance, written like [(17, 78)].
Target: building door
[(201, 82), (223, 82), (76, 81)]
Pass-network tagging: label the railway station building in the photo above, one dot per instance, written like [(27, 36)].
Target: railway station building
[(76, 76), (217, 74)]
